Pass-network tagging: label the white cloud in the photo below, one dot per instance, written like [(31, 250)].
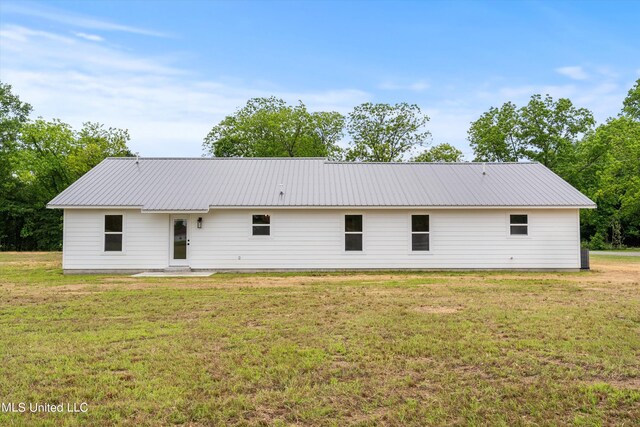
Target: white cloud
[(74, 20), (573, 72), (418, 86), (90, 37), (167, 109)]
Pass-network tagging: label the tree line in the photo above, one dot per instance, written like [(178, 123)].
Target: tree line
[(269, 127), (40, 158)]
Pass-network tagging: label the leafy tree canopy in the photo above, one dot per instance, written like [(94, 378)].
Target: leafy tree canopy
[(494, 136), (38, 160), (440, 153), (544, 130), (631, 105), (608, 171), (269, 127), (13, 113), (385, 133)]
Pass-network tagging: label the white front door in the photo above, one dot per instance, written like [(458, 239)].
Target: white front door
[(179, 253)]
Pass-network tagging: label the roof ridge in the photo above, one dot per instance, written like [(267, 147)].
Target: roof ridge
[(336, 162), (432, 163), (215, 158)]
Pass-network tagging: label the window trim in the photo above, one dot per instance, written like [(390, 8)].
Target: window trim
[(343, 224), (104, 233), (411, 233), (270, 225), (509, 224)]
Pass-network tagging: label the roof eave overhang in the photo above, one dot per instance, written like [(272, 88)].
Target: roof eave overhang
[(407, 207), (322, 207)]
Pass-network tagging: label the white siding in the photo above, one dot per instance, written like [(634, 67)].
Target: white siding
[(145, 240), (314, 239)]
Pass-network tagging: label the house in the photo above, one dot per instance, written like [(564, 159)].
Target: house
[(130, 215)]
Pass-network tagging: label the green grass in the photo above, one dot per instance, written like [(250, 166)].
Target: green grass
[(322, 349), (623, 258)]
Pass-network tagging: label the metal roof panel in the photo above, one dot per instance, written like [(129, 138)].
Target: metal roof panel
[(167, 184)]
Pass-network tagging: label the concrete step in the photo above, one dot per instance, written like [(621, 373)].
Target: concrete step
[(177, 269)]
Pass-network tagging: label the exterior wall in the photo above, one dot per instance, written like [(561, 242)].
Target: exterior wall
[(145, 241), (314, 239)]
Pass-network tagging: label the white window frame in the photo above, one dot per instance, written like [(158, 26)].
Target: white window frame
[(344, 232), (528, 225), (251, 225), (104, 233), (411, 233)]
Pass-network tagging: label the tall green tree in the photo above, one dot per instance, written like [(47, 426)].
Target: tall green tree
[(494, 136), (631, 104), (440, 153), (549, 130), (38, 160), (544, 130), (51, 156), (269, 127), (13, 115), (608, 171), (385, 133)]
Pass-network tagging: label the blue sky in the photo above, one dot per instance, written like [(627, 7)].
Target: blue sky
[(170, 70)]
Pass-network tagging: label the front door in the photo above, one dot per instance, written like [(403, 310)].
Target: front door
[(179, 240)]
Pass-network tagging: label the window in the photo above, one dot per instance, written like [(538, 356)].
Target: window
[(113, 233), (419, 232), (261, 225), (519, 225), (353, 232)]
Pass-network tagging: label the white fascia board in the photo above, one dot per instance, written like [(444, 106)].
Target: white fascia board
[(184, 211), (407, 207), (91, 207)]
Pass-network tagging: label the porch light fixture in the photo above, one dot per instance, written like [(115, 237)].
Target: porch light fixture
[(199, 222)]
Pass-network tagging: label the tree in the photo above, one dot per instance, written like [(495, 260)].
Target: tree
[(607, 169), (494, 136), (13, 115), (328, 131), (385, 133), (550, 130), (440, 153), (609, 173), (50, 157), (631, 104), (544, 130), (268, 127), (39, 159)]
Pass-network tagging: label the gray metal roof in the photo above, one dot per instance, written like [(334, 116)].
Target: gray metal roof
[(196, 184)]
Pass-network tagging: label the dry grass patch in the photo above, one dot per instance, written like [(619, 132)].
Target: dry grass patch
[(438, 310)]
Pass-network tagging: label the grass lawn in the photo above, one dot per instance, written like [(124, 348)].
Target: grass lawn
[(322, 349)]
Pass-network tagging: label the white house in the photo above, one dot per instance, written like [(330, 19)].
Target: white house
[(130, 215)]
